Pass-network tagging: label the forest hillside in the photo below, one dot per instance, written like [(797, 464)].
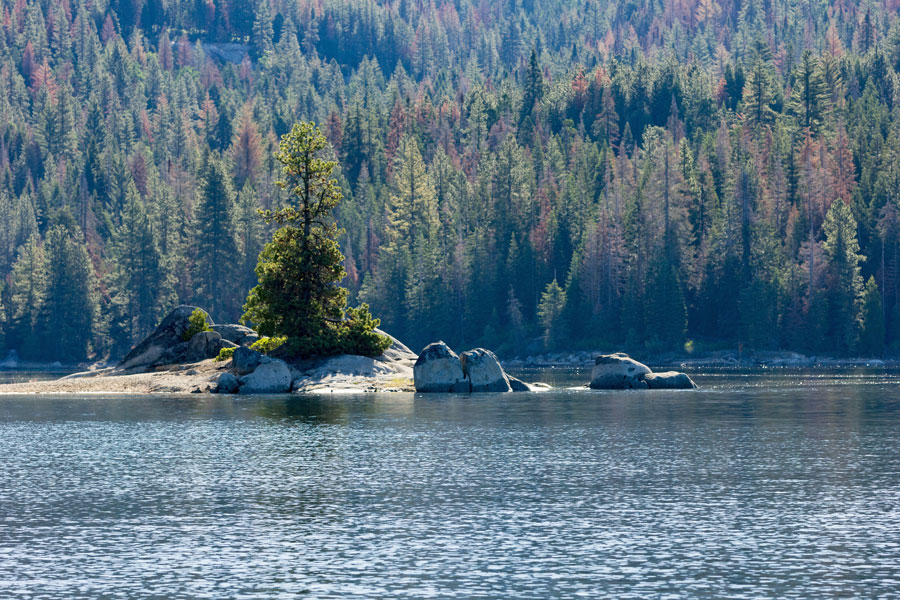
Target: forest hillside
[(525, 175)]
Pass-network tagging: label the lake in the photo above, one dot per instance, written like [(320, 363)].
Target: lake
[(761, 484)]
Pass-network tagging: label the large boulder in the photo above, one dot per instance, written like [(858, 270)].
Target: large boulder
[(618, 372), (272, 376), (244, 360), (669, 380), (438, 370), (238, 334), (226, 383), (483, 371), (166, 336), (206, 344)]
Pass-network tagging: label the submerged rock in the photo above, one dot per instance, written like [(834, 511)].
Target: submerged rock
[(669, 380), (618, 372), (518, 385), (272, 376), (483, 371), (438, 370), (164, 338)]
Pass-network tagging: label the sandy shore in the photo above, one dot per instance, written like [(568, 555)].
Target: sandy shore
[(185, 379)]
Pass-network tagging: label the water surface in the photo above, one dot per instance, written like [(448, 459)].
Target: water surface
[(783, 484)]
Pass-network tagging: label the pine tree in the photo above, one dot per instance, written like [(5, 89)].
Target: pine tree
[(759, 95), (216, 247), (606, 125), (534, 85), (665, 313), (297, 296), (809, 98), (250, 235), (27, 295), (246, 151), (141, 290), (844, 282), (871, 339), (262, 28), (65, 323), (413, 208), (550, 309)]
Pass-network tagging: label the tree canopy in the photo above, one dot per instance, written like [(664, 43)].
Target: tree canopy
[(674, 167)]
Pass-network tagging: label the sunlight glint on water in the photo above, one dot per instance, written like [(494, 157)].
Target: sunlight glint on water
[(746, 488)]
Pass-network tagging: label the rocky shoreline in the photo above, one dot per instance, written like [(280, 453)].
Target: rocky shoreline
[(177, 360)]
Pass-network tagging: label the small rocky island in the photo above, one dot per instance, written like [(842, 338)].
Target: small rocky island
[(220, 359), (166, 362)]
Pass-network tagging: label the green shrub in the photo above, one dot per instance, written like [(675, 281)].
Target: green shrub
[(268, 344), (355, 335), (196, 323), (225, 354)]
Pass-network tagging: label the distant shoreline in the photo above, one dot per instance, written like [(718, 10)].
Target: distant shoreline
[(724, 359), (585, 360)]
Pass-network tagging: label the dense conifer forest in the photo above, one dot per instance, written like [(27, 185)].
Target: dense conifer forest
[(526, 175)]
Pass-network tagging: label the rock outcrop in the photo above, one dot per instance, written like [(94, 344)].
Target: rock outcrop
[(348, 364), (166, 336), (237, 334), (483, 371), (167, 363), (438, 370), (621, 372), (617, 372), (244, 360), (205, 344), (272, 376), (669, 380), (397, 352)]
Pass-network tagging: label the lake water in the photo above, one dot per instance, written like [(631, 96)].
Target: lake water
[(782, 484)]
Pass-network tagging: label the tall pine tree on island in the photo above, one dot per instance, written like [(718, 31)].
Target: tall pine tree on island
[(298, 296)]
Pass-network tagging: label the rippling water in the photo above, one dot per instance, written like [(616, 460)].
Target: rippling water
[(778, 485)]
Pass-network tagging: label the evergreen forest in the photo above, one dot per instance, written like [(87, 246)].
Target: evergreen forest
[(525, 175)]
